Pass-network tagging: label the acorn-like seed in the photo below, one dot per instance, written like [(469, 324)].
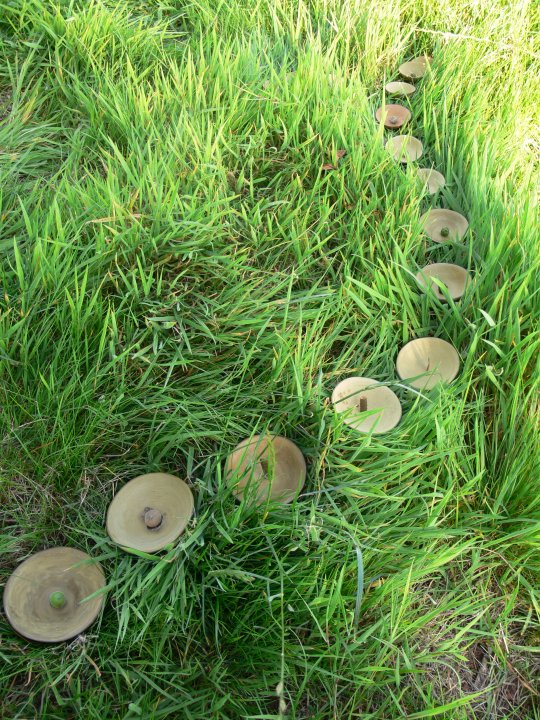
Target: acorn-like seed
[(152, 518)]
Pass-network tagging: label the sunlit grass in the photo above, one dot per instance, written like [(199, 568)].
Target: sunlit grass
[(179, 273)]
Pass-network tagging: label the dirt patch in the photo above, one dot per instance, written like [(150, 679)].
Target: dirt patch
[(5, 103), (25, 507), (507, 678)]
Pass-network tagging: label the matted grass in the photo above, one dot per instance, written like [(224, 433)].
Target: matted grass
[(178, 273)]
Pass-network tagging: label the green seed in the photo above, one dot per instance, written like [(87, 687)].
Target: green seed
[(57, 599)]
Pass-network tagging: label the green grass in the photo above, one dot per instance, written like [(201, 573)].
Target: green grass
[(178, 273)]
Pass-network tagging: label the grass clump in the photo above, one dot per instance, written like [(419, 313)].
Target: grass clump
[(179, 272)]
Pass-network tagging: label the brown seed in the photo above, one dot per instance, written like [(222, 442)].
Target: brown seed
[(394, 115), (134, 511), (152, 518)]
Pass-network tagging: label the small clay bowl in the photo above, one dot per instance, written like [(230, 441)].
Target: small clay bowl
[(394, 116), (414, 69), (426, 362), (150, 512), (454, 277), (442, 225), (432, 180), (404, 148), (356, 396), (45, 597), (399, 88), (266, 468)]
